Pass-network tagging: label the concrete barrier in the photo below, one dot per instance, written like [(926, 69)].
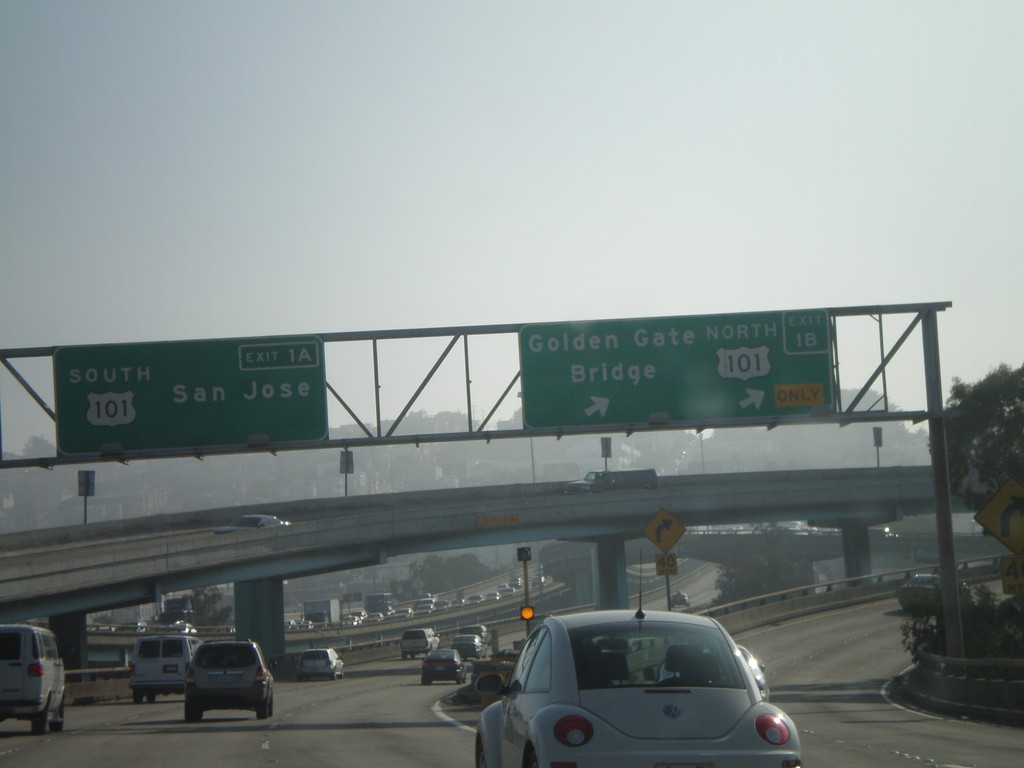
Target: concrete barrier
[(984, 689), (89, 686)]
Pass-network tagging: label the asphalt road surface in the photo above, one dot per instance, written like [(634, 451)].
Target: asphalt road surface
[(829, 672)]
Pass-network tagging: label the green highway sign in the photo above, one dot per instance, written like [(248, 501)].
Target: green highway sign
[(190, 394), (655, 370)]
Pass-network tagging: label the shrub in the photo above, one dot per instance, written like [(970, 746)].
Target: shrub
[(992, 629)]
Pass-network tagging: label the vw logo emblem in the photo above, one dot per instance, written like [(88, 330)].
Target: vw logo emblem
[(671, 710)]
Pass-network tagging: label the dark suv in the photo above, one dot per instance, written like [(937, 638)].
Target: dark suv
[(228, 675)]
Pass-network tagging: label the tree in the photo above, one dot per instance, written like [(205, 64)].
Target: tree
[(443, 574), (985, 440), (771, 570), (210, 610), (36, 447)]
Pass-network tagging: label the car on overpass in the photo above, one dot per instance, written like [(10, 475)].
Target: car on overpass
[(612, 480), (423, 605), (252, 523)]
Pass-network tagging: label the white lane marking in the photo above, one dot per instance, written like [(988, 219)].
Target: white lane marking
[(440, 715)]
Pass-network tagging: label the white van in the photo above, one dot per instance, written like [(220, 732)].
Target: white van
[(31, 677), (158, 665)]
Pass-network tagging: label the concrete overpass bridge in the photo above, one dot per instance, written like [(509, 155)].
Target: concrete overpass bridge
[(69, 572)]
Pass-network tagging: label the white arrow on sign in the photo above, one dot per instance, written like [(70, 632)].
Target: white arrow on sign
[(600, 404), (754, 397)]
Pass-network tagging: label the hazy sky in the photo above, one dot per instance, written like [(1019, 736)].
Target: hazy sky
[(187, 170)]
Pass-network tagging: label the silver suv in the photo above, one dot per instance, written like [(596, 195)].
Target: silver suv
[(421, 640), (319, 662), (228, 675)]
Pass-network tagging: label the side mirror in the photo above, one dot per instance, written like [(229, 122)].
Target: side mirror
[(489, 684)]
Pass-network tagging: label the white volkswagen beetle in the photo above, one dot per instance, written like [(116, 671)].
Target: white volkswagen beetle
[(613, 688)]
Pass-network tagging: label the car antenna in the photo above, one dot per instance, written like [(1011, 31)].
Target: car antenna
[(640, 615)]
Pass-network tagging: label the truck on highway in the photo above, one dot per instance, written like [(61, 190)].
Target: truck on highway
[(379, 602), (327, 611), (178, 609), (613, 480)]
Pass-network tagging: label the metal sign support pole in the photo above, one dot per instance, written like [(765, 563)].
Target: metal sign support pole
[(943, 501)]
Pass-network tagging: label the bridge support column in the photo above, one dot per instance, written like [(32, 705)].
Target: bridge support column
[(259, 614), (583, 586), (71, 639), (856, 549), (612, 590)]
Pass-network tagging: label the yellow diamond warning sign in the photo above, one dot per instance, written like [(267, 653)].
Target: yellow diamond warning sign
[(1003, 515), (663, 530)]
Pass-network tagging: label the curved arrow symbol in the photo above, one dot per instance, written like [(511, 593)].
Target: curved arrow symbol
[(664, 525), (1015, 507), (754, 397), (600, 404)]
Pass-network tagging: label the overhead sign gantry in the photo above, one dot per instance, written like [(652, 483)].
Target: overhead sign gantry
[(130, 401)]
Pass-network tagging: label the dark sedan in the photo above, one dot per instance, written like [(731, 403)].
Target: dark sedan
[(444, 664)]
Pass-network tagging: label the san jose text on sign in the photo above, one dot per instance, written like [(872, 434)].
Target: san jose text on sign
[(190, 394), (675, 368)]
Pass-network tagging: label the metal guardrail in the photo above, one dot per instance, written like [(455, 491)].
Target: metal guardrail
[(972, 571)]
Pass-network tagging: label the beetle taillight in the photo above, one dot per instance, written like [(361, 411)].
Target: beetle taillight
[(574, 731), (772, 729)]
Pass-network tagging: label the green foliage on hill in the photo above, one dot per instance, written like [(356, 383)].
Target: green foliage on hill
[(985, 436), (771, 570)]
